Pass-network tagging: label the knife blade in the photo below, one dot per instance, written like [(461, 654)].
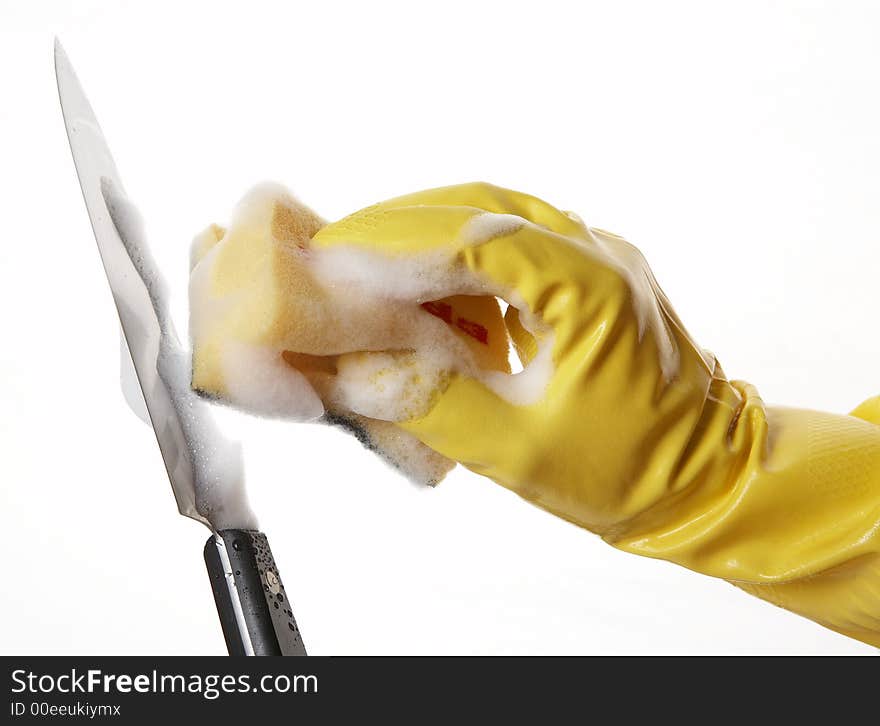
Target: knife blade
[(185, 432), (205, 469)]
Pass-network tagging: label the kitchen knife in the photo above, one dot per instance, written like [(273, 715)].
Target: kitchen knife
[(206, 470)]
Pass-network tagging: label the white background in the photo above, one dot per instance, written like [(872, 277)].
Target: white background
[(736, 143)]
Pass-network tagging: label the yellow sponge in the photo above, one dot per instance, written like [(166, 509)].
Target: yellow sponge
[(273, 333)]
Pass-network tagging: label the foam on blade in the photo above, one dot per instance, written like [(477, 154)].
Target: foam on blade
[(216, 463)]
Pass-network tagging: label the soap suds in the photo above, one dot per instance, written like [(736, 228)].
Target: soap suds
[(640, 279), (488, 226), (259, 380), (215, 463), (388, 386), (397, 282)]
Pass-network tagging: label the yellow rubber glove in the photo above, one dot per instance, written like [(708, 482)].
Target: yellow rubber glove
[(638, 435)]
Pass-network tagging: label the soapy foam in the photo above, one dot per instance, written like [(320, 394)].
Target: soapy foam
[(490, 225), (216, 464), (401, 281), (387, 386), (640, 279), (259, 380)]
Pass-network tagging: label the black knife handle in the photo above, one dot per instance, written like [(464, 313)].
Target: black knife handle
[(255, 613)]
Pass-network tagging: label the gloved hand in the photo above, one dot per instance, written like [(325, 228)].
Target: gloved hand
[(632, 430)]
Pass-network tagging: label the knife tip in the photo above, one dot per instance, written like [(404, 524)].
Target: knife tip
[(58, 53)]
